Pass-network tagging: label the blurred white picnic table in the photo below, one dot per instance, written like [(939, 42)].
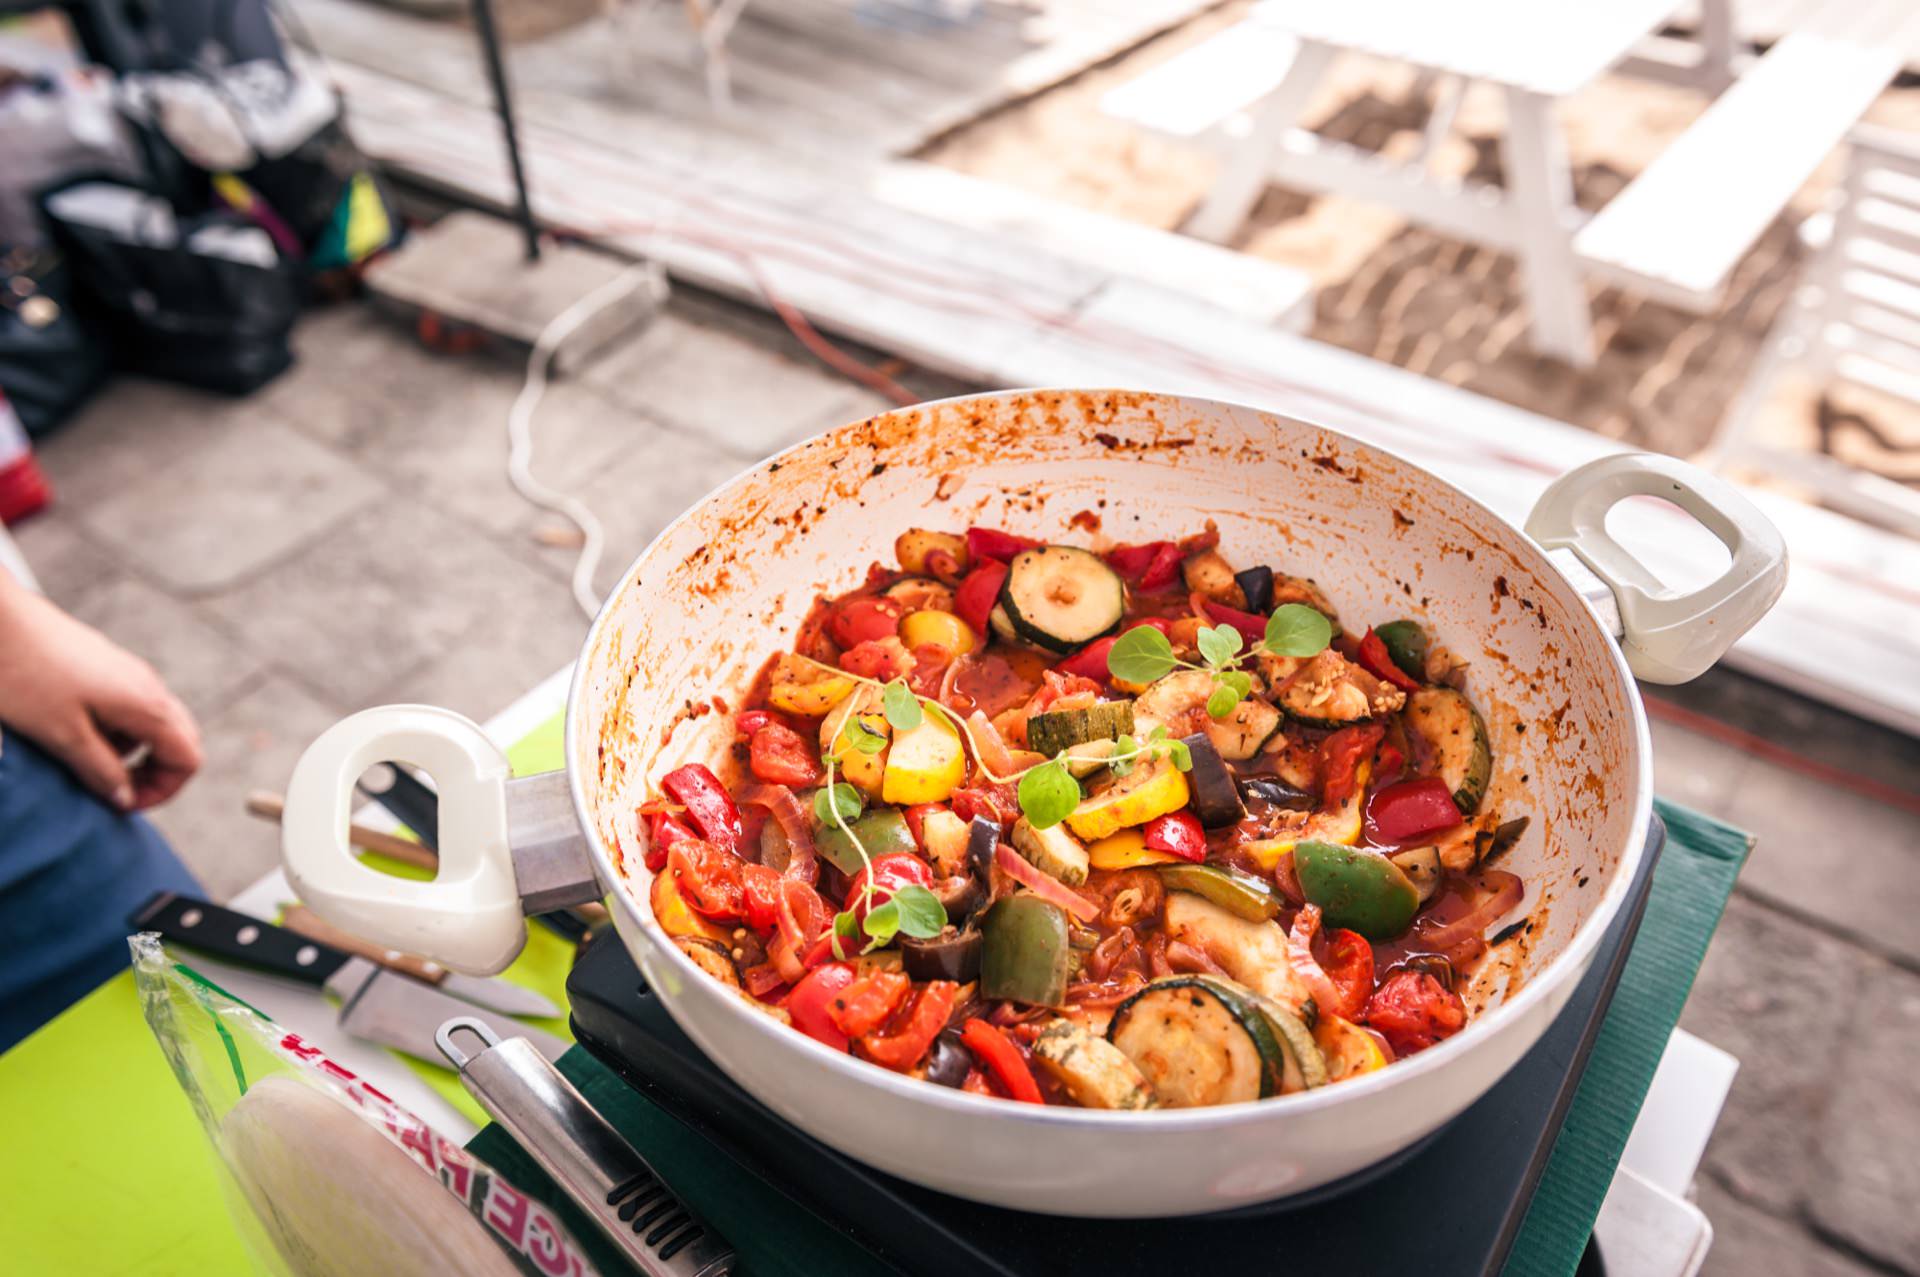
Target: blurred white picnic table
[(1675, 232)]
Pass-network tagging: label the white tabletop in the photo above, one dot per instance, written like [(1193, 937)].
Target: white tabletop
[(1553, 47)]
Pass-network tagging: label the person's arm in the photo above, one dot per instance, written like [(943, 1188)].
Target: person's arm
[(89, 702)]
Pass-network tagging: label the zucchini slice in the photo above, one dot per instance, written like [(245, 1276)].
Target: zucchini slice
[(1061, 598), (1331, 691), (1454, 731), (1001, 625), (1198, 1042), (1209, 573), (1093, 1071), (1053, 851), (711, 956), (1152, 788), (920, 594), (1051, 732), (1306, 1063), (1179, 702), (1422, 867)]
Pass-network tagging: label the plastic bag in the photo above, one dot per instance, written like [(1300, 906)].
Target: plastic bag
[(326, 1176)]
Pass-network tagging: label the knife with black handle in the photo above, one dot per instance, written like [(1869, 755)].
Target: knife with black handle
[(375, 1003)]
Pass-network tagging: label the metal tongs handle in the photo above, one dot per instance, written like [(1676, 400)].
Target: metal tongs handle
[(584, 1155)]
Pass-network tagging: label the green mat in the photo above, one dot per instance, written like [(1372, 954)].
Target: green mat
[(775, 1236)]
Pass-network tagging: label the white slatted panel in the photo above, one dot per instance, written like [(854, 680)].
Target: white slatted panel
[(1196, 91), (1679, 228), (1553, 47)]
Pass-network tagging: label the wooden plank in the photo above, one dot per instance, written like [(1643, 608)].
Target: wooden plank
[(1254, 288), (1197, 91)]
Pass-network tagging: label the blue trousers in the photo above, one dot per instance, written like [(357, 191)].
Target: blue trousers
[(71, 871)]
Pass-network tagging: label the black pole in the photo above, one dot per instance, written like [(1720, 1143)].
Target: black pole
[(503, 106)]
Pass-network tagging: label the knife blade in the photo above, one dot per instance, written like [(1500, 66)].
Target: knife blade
[(377, 1004), (490, 992)]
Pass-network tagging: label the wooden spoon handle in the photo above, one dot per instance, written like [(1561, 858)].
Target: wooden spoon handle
[(271, 806), (306, 922)]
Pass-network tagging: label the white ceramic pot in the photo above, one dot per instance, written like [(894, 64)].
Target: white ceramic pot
[(729, 582)]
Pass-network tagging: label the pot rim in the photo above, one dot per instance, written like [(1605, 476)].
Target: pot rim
[(1567, 966)]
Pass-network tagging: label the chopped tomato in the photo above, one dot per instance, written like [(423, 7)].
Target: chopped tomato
[(662, 832), (995, 802), (860, 620), (865, 1004), (1340, 757), (781, 756), (1389, 761), (1410, 810), (760, 898), (1252, 628), (1055, 686), (1178, 833), (1349, 968), (1091, 660), (930, 661), (1412, 1010), (749, 721), (761, 979), (973, 601), (1375, 660), (992, 543), (890, 873), (882, 660), (1002, 1059), (708, 804), (809, 1002), (904, 1042), (709, 878)]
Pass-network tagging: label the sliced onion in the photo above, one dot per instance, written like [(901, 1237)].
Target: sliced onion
[(1306, 924), (794, 823), (988, 745), (1045, 885), (1465, 938)]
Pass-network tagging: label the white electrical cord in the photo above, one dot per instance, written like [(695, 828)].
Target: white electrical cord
[(520, 423)]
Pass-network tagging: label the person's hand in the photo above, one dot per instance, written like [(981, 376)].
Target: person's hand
[(89, 703)]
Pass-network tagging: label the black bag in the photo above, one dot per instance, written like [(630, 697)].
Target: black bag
[(49, 361), (181, 313)]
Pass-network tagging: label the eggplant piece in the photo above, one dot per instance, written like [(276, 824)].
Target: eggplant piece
[(952, 955), (947, 1061), (983, 839), (1215, 799), (1274, 791), (1257, 585), (960, 895)]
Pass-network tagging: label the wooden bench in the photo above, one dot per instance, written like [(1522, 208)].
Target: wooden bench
[(1200, 94), (1677, 231)]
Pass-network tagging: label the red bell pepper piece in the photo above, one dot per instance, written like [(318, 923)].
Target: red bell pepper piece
[(975, 598), (663, 831), (1412, 809), (992, 543), (913, 1033), (781, 756), (708, 804), (760, 904), (1388, 761), (1340, 757), (1178, 833), (809, 1002), (1091, 660), (1001, 1058), (1165, 568), (1252, 628), (1377, 661)]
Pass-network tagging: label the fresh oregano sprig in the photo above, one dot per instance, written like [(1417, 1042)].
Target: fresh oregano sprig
[(912, 910), (1049, 792), (1144, 654)]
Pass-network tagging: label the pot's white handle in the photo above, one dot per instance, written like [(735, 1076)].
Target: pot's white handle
[(471, 916), (1668, 636)]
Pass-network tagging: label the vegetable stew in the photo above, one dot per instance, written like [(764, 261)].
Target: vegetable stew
[(1116, 826)]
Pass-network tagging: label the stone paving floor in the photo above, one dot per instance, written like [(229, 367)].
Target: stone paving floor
[(346, 537)]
